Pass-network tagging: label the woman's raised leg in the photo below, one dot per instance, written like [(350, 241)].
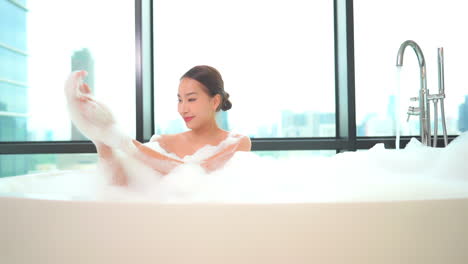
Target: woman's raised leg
[(95, 120)]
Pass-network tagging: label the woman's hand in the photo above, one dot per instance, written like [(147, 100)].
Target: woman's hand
[(219, 159), (154, 159)]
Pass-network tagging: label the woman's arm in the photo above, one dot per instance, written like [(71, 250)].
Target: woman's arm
[(219, 159), (112, 163), (154, 159)]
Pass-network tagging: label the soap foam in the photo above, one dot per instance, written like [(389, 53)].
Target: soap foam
[(414, 173)]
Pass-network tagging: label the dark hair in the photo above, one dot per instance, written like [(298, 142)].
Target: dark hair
[(211, 79)]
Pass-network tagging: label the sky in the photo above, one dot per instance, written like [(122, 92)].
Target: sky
[(268, 60), (380, 28), (273, 55), (107, 29)]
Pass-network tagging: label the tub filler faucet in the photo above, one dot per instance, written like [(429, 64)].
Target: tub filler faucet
[(424, 97)]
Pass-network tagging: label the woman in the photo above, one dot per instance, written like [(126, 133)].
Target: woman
[(200, 95)]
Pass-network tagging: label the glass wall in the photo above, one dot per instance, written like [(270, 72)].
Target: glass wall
[(276, 59), (41, 42), (13, 72), (22, 164), (292, 154), (380, 27)]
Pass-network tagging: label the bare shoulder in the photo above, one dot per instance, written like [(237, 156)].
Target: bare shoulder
[(245, 144), (167, 141)]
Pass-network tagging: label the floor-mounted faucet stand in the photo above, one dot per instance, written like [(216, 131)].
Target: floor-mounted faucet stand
[(424, 97)]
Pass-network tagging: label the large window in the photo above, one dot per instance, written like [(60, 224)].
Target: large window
[(380, 27), (276, 59), (41, 42), (22, 164)]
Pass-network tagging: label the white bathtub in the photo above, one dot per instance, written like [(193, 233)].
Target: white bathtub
[(56, 228)]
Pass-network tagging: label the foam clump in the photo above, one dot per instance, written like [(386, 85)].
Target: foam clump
[(414, 173)]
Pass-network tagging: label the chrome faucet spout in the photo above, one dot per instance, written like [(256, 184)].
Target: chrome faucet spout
[(424, 112), (417, 50)]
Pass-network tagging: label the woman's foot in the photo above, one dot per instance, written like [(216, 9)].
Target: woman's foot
[(91, 117)]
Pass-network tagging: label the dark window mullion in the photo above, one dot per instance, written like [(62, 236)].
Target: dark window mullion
[(144, 70), (47, 147), (138, 70), (296, 144), (389, 141), (344, 74)]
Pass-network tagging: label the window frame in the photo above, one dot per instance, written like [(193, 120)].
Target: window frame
[(345, 101)]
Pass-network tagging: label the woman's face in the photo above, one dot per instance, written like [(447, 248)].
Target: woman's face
[(196, 106)]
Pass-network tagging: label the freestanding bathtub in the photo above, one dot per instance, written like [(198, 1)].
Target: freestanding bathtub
[(59, 229)]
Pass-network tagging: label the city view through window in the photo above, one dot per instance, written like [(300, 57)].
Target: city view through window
[(41, 42), (379, 29), (276, 59), (277, 63)]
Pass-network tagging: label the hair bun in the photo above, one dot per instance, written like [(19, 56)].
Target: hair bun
[(226, 103)]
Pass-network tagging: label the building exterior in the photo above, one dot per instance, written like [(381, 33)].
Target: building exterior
[(463, 116), (307, 124), (82, 60), (13, 83)]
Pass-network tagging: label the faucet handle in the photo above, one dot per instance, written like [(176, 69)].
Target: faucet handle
[(435, 97), (414, 99), (412, 110)]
